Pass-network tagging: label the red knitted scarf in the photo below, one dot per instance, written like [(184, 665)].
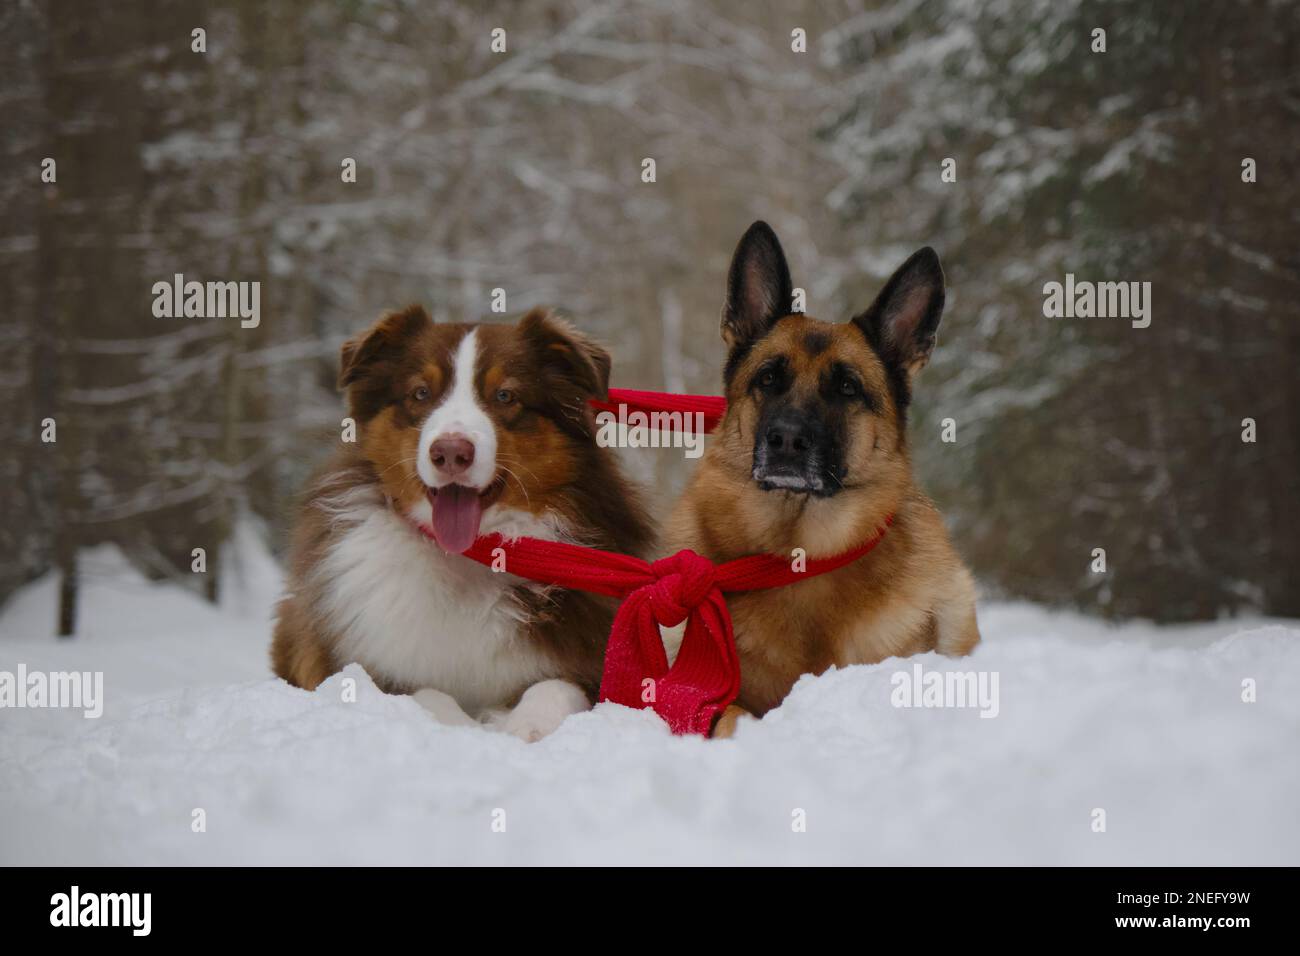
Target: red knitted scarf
[(686, 586)]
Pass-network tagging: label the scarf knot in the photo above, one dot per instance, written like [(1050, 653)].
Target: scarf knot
[(682, 582)]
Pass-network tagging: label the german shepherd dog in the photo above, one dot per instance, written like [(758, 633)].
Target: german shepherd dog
[(813, 454)]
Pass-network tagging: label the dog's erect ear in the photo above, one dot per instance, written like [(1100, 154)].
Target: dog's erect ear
[(758, 287), (902, 322), (382, 339), (570, 359)]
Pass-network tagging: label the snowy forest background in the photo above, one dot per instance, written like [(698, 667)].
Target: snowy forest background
[(522, 170)]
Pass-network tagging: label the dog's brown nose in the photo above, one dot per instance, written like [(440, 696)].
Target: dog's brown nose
[(452, 454)]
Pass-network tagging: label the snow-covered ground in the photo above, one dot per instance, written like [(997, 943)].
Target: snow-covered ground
[(1145, 723)]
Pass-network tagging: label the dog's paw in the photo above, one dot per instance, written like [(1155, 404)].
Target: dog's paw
[(443, 707), (543, 708), (729, 720)]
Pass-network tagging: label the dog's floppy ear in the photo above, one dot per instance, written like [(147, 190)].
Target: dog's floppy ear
[(570, 360), (902, 322), (360, 353), (758, 287)]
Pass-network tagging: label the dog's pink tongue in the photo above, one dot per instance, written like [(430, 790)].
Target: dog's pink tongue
[(456, 514)]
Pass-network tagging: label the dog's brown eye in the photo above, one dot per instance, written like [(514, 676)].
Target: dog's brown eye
[(505, 396), (848, 388), (421, 393), (767, 379)]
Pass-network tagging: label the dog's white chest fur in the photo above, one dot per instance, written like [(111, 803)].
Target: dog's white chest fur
[(404, 609)]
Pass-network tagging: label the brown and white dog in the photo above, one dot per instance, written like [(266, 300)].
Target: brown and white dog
[(461, 430), (813, 454)]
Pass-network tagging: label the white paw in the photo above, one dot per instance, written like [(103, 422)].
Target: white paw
[(444, 708), (543, 708)]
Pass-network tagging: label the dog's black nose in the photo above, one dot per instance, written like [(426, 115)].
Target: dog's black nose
[(794, 451), (788, 436)]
